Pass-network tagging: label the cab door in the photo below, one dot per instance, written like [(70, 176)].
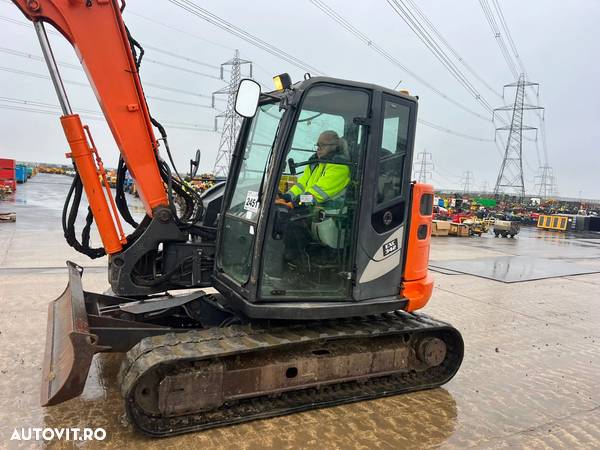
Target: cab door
[(310, 256), (386, 201)]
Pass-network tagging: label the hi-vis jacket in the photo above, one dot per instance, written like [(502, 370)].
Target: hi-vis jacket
[(323, 180)]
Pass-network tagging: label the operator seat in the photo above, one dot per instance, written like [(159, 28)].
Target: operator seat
[(330, 230)]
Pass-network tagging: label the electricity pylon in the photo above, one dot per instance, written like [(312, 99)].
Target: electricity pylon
[(510, 177), (231, 126)]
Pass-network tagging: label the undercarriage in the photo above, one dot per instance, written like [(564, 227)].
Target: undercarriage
[(192, 363)]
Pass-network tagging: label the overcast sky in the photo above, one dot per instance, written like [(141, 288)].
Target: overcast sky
[(559, 44)]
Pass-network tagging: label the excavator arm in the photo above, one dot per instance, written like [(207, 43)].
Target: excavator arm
[(96, 30), (159, 254)]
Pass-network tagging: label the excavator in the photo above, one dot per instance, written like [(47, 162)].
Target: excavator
[(256, 333)]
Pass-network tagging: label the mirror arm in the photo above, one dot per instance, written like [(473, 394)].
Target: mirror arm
[(270, 96)]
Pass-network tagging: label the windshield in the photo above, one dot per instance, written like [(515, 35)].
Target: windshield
[(256, 159), (242, 214)]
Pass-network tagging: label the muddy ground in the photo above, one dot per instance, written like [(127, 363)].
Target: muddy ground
[(530, 377)]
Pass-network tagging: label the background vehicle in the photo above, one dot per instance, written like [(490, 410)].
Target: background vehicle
[(506, 228), (335, 325)]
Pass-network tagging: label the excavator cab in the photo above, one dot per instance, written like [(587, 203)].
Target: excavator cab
[(329, 248)]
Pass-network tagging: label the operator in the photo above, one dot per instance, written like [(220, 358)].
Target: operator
[(322, 184), (323, 180)]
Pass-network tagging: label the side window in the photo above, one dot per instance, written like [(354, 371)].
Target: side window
[(310, 125), (392, 153)]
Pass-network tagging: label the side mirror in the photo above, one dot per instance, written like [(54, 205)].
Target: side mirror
[(195, 164), (246, 99)]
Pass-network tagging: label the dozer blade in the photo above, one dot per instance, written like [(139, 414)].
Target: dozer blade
[(69, 344)]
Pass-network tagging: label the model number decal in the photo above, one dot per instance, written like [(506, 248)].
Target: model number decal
[(390, 247)]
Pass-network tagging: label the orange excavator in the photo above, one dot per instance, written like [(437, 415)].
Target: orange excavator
[(271, 324)]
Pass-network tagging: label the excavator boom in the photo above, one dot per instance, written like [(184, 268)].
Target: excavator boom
[(96, 30)]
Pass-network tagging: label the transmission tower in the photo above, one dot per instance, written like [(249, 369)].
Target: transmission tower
[(467, 179), (425, 163), (232, 121), (510, 177), (546, 182)]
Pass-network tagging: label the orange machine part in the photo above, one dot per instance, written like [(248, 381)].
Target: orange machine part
[(82, 155), (96, 30), (417, 282)]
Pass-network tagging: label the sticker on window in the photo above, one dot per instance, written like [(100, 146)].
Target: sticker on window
[(251, 204)]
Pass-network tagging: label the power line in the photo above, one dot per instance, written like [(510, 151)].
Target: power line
[(181, 69), (151, 47), (489, 15), (146, 59), (130, 12), (434, 29), (375, 47), (78, 83), (91, 117), (88, 113), (404, 12), (167, 88), (179, 30), (215, 20), (508, 36), (79, 68), (450, 182), (455, 133), (13, 52), (177, 56)]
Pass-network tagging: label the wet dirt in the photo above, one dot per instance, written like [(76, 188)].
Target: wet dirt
[(529, 378)]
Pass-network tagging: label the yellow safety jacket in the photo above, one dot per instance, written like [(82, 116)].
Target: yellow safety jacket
[(324, 181)]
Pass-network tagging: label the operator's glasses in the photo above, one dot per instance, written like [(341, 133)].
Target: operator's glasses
[(322, 146)]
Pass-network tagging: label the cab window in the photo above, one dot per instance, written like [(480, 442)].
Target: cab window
[(393, 151)]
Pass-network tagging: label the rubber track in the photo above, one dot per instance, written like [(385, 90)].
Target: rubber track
[(176, 348)]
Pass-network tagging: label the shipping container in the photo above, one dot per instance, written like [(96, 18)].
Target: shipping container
[(7, 173), (21, 173), (7, 163)]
